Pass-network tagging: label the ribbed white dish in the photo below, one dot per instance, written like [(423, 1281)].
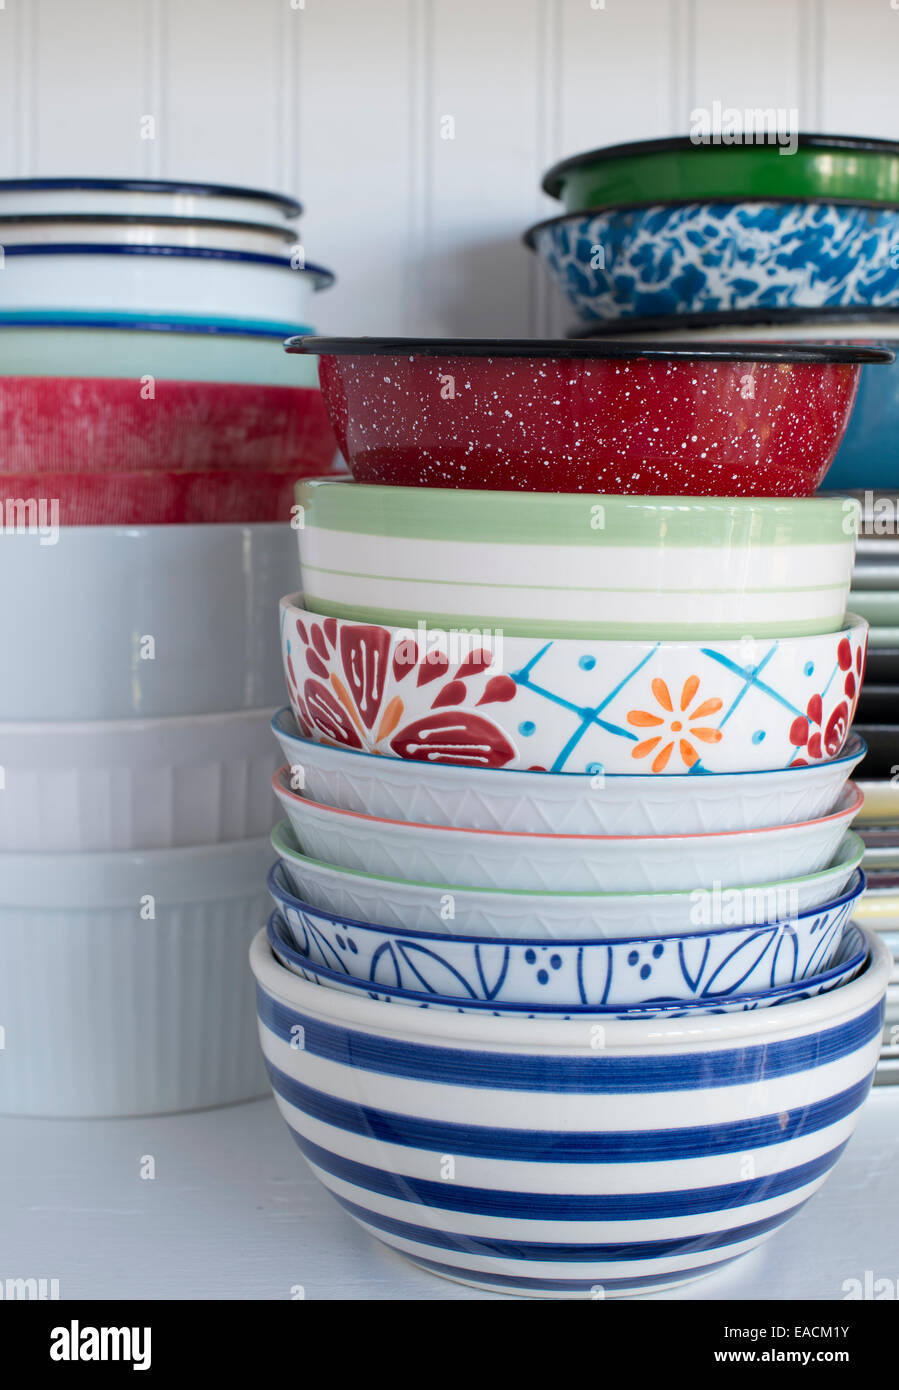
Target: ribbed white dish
[(563, 863), (148, 622), (108, 1011), (560, 803), (439, 907), (136, 784)]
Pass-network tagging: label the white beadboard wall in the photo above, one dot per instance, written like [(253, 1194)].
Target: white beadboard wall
[(347, 103)]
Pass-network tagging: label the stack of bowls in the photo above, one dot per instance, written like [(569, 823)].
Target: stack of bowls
[(683, 226), (697, 244), (150, 441), (562, 993), (141, 371)]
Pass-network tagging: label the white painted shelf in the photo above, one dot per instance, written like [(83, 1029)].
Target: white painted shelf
[(233, 1213)]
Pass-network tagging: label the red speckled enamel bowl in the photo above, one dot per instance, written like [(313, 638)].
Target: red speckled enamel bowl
[(561, 416), (101, 425)]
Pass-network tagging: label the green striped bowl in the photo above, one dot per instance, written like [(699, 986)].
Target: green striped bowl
[(576, 565)]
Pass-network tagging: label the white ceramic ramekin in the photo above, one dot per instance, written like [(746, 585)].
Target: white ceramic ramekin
[(106, 1009), (136, 784), (118, 622)]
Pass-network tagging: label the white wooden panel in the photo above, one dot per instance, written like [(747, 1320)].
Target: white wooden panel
[(615, 70), (860, 43), (480, 126), (360, 180), (222, 80), (747, 56), (88, 67)]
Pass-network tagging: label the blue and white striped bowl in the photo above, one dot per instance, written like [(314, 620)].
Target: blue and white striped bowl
[(569, 1158)]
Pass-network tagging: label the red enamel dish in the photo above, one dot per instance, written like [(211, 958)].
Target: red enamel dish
[(150, 497), (103, 425), (561, 416)]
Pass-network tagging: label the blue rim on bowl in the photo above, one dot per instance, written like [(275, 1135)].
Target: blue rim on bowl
[(151, 323), (290, 206), (852, 956), (323, 278)]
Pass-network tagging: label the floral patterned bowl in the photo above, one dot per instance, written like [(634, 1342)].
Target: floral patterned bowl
[(593, 1159), (848, 960), (486, 700), (615, 973), (551, 863)]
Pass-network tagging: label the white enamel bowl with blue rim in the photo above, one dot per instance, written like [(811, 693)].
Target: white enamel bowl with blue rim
[(572, 705), (97, 229), (560, 803), (589, 1157), (720, 961), (563, 863), (708, 257), (848, 960), (175, 348), (439, 907), (159, 280), (143, 198)]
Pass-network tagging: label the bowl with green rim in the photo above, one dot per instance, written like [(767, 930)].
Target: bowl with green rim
[(576, 565), (680, 168)]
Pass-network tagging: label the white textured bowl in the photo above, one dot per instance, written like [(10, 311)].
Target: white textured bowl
[(563, 863), (162, 280), (136, 784), (439, 907), (76, 641), (123, 982), (563, 802), (482, 698), (567, 1158)]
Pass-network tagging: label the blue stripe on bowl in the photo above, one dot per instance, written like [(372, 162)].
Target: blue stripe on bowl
[(597, 1074), (555, 1146), (537, 1284), (556, 1252), (566, 1206)]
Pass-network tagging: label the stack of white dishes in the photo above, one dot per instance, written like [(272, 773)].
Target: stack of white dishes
[(135, 698), (150, 445)]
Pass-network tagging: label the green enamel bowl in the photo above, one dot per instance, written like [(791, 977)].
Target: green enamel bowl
[(827, 168), (576, 565)]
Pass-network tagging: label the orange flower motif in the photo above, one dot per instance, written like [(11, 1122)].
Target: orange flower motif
[(675, 726)]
